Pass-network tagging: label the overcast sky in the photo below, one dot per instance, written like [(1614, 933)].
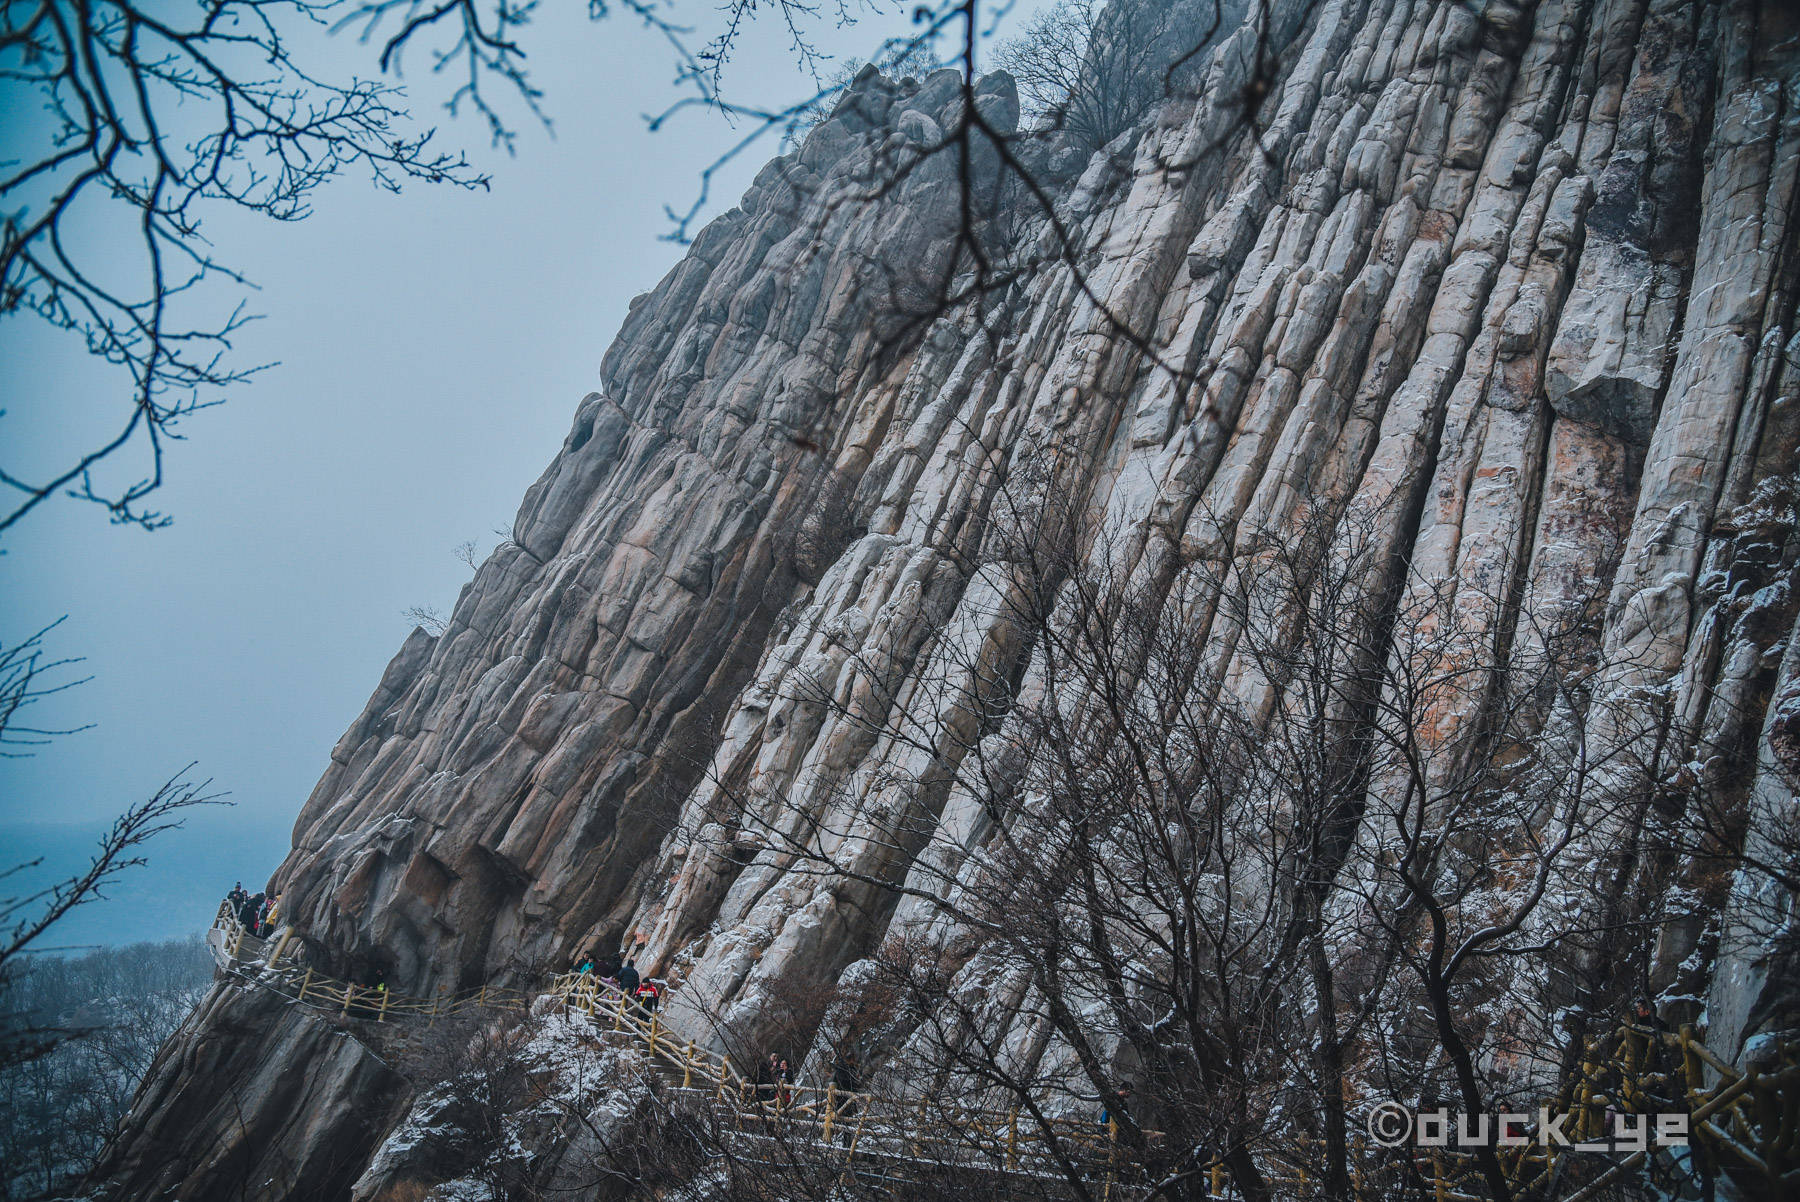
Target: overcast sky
[(432, 348)]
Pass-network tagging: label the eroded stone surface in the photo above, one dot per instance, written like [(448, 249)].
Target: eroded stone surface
[(1511, 278)]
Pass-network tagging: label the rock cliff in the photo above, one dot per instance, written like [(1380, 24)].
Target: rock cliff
[(1521, 277)]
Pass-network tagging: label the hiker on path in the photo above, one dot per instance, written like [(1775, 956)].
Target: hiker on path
[(628, 978), (647, 995), (251, 912), (1644, 1016), (845, 1074), (1659, 1081), (768, 1078), (1121, 1097)]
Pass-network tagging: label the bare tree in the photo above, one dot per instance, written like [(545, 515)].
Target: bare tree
[(23, 683), (1115, 877), (1094, 68), (259, 129), (427, 618), (25, 917), (153, 117), (27, 914), (1216, 832), (57, 1111), (1007, 225), (521, 1107)]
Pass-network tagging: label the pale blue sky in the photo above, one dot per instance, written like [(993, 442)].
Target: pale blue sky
[(433, 347)]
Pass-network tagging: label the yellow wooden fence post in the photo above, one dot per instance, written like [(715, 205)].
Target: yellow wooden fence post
[(1551, 1151), (687, 1066), (1690, 1063), (349, 992), (653, 1036), (304, 982), (382, 1017), (724, 1072), (619, 1013), (1112, 1158), (1012, 1139), (856, 1135), (1584, 1097), (830, 1107)]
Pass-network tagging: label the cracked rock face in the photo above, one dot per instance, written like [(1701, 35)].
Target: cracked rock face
[(1520, 276)]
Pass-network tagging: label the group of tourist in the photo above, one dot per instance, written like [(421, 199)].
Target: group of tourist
[(257, 912), (774, 1078), (624, 977)]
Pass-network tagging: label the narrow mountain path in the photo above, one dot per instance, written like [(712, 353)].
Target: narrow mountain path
[(1749, 1122)]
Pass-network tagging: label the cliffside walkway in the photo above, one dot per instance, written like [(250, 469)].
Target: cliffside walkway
[(1748, 1122), (274, 964)]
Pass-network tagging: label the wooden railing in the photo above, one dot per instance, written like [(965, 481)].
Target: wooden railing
[(865, 1123), (1749, 1120), (274, 963)]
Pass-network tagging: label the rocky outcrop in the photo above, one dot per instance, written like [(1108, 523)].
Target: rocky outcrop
[(1521, 279), (306, 1099)]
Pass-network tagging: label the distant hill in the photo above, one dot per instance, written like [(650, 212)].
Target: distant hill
[(174, 894)]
